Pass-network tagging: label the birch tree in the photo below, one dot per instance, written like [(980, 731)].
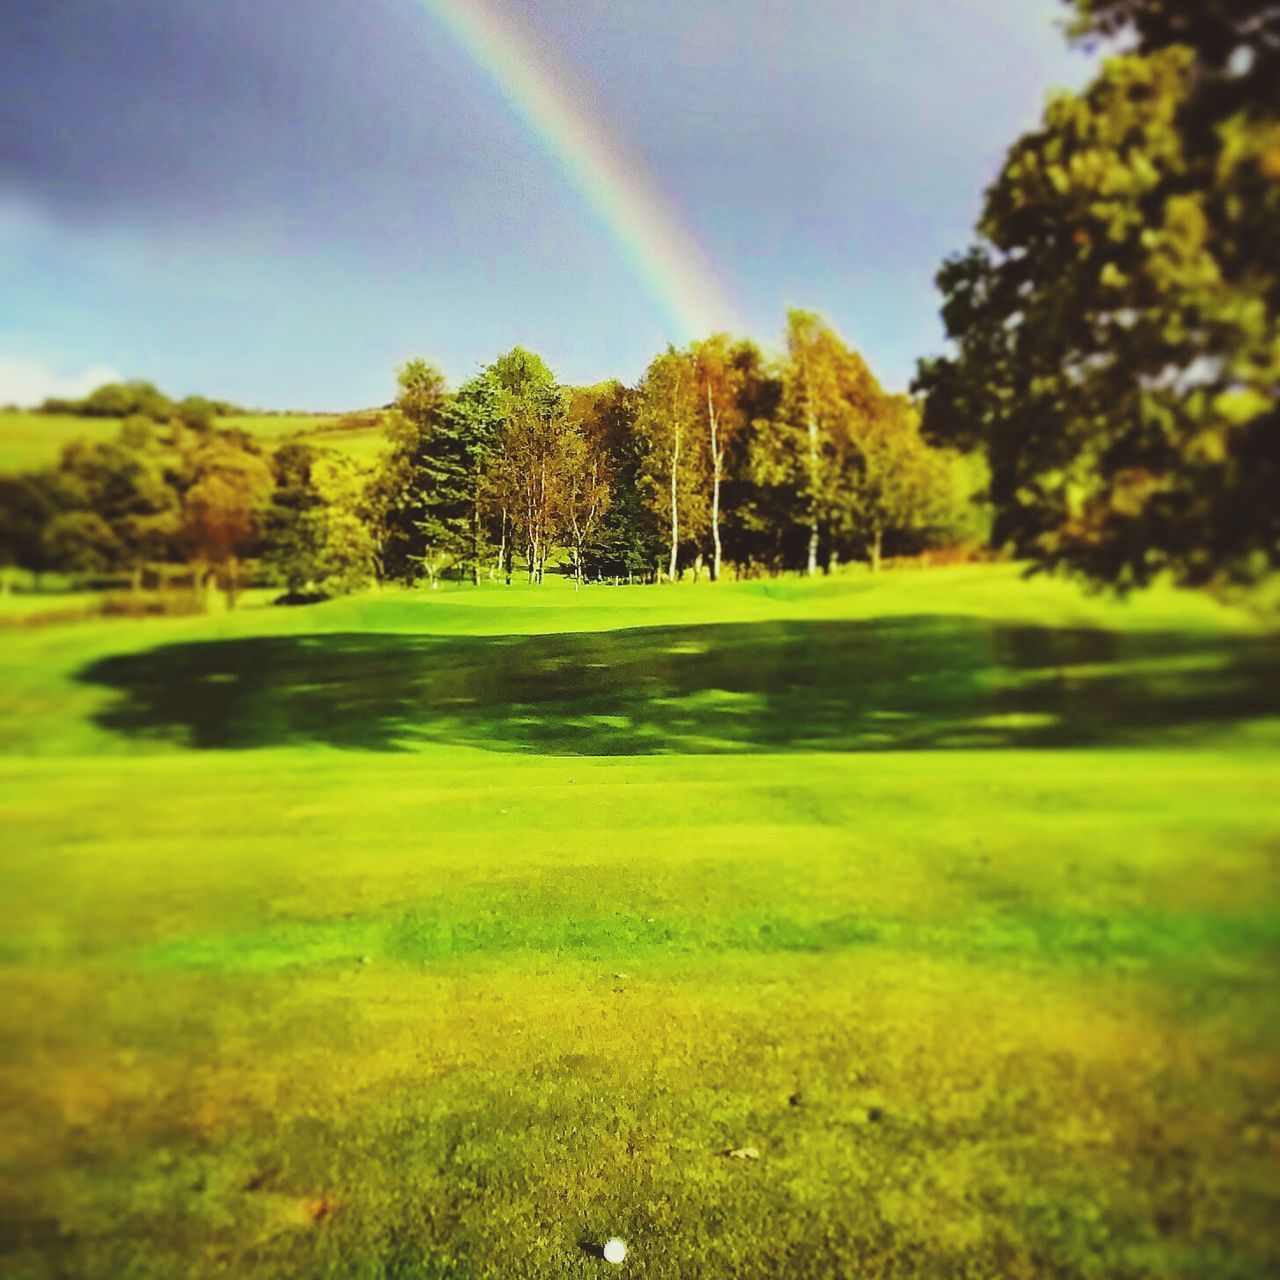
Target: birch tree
[(827, 392), (673, 475)]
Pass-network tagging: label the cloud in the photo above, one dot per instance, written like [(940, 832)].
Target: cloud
[(28, 382)]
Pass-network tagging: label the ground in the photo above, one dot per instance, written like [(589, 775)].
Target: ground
[(432, 934)]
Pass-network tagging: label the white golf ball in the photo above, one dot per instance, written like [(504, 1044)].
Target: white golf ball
[(614, 1250)]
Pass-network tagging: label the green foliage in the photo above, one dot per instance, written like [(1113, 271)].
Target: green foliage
[(225, 506), (120, 399), (1117, 324), (402, 496), (81, 542), (27, 505), (673, 471), (196, 412)]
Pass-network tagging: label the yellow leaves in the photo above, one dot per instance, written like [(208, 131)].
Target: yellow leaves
[(1132, 489), (1112, 277), (1269, 154), (1207, 447)]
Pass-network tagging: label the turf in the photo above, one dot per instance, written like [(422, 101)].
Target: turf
[(449, 934)]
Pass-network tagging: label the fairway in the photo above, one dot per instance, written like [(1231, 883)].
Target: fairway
[(920, 925)]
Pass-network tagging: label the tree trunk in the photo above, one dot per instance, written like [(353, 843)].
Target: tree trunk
[(675, 510), (135, 579), (200, 584), (717, 466), (875, 550), (502, 548), (813, 472), (233, 581)]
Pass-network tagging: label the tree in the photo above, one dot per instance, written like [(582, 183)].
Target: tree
[(471, 431), (223, 510), (413, 534), (348, 552), (196, 412), (293, 534), (828, 393), (80, 542), (528, 471), (587, 492), (724, 371), (27, 504), (125, 482), (627, 542), (898, 485), (672, 476), (120, 399), (1117, 340)]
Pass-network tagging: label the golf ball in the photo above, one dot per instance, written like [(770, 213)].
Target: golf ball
[(614, 1250)]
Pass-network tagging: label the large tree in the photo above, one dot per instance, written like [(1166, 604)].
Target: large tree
[(1117, 324), (224, 510), (726, 371), (897, 486), (416, 496), (528, 473), (829, 394), (673, 475), (588, 490), (627, 542), (127, 483)]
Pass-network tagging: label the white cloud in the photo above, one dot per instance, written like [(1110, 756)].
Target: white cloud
[(25, 381)]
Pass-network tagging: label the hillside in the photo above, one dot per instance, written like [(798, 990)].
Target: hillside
[(30, 440)]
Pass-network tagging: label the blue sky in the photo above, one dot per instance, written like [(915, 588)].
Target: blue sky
[(277, 202)]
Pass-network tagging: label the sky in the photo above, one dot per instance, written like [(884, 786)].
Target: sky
[(277, 202)]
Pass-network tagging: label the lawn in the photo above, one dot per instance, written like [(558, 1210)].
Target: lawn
[(921, 926)]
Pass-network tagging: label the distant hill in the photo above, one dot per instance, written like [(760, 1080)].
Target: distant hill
[(30, 439)]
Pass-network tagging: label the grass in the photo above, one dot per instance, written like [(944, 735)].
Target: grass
[(449, 934), (30, 440), (363, 440)]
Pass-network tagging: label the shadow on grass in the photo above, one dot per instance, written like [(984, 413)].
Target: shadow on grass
[(899, 684)]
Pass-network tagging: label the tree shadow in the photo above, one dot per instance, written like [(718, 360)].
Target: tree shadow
[(897, 684)]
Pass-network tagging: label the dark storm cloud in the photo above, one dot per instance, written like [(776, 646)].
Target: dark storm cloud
[(148, 108)]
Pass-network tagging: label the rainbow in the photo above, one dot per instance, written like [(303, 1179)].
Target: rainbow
[(646, 230)]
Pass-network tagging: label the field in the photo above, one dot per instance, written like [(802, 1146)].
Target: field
[(920, 926), (364, 443), (30, 440)]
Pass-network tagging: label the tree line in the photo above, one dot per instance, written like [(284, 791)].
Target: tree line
[(1112, 386), (719, 460), (142, 398)]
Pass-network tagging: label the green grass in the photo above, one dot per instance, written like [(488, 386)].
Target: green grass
[(448, 934), (363, 441), (30, 440)]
